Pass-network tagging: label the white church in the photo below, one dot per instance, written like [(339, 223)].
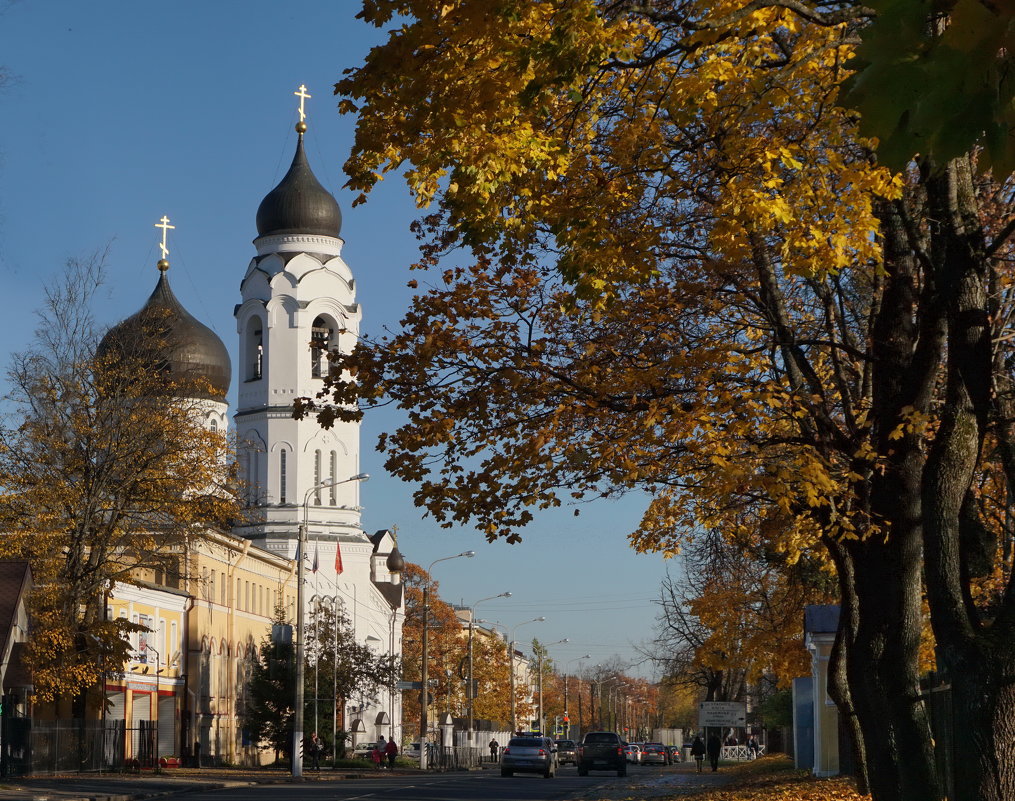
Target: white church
[(187, 682)]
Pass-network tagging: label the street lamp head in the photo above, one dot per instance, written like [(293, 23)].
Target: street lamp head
[(504, 595), (539, 620), (359, 477), (469, 554)]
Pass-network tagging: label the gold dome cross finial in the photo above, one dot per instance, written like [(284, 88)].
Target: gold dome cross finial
[(163, 264), (301, 93)]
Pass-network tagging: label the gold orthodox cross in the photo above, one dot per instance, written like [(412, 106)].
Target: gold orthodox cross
[(301, 93), (166, 227)]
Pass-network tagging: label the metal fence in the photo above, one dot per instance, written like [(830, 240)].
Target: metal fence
[(453, 757), (59, 746), (75, 746)]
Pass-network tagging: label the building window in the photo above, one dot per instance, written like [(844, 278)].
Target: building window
[(281, 476), (317, 478), (214, 426), (255, 350), (332, 496), (320, 341), (223, 589)]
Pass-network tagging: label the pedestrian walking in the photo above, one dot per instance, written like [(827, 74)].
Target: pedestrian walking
[(714, 749), (315, 752), (391, 751), (698, 751), (494, 746), (376, 755), (752, 746)]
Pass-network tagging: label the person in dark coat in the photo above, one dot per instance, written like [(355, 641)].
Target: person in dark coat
[(714, 749), (698, 751), (391, 752)]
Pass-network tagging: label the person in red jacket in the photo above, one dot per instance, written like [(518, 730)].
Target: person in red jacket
[(391, 751)]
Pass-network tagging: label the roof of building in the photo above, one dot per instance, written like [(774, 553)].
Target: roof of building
[(15, 579), (821, 618), (392, 593), (299, 204), (188, 348)]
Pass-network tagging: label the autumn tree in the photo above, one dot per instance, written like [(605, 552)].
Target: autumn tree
[(448, 656), (729, 621), (491, 671), (106, 473), (687, 273), (337, 668)]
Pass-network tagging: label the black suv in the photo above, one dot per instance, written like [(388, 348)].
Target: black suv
[(602, 750)]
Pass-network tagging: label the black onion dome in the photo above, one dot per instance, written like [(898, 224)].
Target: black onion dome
[(187, 348), (395, 563), (299, 204)]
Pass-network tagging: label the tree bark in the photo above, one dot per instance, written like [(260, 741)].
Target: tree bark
[(975, 651)]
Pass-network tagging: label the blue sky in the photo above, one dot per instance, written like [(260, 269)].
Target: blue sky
[(119, 112)]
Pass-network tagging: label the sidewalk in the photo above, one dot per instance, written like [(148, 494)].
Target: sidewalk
[(132, 787)]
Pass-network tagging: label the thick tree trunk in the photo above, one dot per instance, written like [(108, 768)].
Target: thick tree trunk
[(838, 677), (882, 671), (976, 651), (885, 566), (983, 713)]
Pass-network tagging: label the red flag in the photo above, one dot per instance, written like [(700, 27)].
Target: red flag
[(313, 569), (338, 557)]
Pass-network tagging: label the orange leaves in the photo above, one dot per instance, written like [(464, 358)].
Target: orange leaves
[(771, 778)]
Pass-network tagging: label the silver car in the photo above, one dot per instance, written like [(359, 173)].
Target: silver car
[(529, 755)]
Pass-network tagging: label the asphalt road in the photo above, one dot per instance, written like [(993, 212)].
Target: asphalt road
[(641, 782)]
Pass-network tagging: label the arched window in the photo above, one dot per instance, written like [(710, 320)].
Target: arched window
[(214, 426), (317, 478), (320, 343), (281, 476), (334, 472), (254, 349)]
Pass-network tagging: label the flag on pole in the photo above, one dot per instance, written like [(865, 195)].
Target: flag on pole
[(338, 557), (316, 564), (296, 558)]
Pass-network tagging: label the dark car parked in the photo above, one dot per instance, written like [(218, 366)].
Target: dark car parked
[(602, 750), (665, 749), (567, 752), (529, 755)]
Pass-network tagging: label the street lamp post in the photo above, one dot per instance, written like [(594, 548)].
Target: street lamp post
[(597, 712), (539, 669), (470, 690), (511, 669), (301, 553), (424, 693), (567, 710)]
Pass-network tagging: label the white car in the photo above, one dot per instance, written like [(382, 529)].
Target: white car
[(411, 751), (633, 752), (362, 751)]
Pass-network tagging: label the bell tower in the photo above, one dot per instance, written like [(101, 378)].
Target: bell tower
[(298, 304)]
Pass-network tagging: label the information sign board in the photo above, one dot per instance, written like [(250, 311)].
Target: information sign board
[(725, 714)]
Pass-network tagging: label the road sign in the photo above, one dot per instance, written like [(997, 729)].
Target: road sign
[(722, 713), (408, 685)]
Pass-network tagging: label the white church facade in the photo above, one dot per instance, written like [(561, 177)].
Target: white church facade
[(298, 302)]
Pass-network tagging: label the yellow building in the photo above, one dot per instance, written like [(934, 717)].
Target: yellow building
[(206, 625)]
